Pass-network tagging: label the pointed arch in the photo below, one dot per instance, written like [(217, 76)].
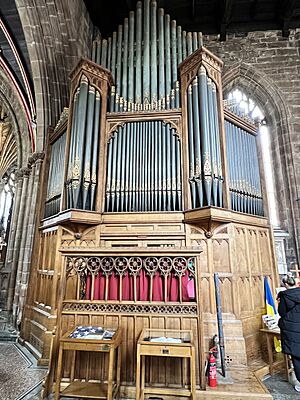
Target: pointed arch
[(268, 96)]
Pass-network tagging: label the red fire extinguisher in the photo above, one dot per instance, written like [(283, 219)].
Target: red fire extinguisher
[(212, 370)]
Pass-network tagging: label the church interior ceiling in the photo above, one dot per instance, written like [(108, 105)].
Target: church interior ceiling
[(209, 16)]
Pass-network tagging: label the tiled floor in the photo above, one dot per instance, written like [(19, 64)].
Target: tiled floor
[(19, 375), (21, 379)]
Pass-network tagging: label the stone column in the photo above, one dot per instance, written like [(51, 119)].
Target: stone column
[(14, 222), (27, 237), (14, 256)]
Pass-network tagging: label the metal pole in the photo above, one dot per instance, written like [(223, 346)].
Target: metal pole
[(220, 322)]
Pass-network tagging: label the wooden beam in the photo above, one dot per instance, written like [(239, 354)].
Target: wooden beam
[(287, 14), (225, 7)]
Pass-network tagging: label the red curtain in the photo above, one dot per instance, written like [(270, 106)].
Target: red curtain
[(142, 287)]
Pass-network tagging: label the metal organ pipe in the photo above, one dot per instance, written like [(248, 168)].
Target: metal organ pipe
[(138, 77), (143, 58), (131, 61), (87, 146), (125, 66), (217, 141), (145, 160), (146, 53), (161, 58), (244, 176), (153, 72)]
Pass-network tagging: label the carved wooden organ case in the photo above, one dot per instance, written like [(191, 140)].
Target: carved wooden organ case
[(151, 186)]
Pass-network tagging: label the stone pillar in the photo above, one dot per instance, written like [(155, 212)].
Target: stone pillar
[(13, 228), (18, 217), (27, 237)]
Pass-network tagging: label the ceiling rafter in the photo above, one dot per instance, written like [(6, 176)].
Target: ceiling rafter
[(225, 12), (288, 11)]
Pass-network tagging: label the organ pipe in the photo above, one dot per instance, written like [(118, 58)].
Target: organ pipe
[(148, 158), (55, 182), (143, 57), (83, 155), (244, 176), (153, 72), (144, 157)]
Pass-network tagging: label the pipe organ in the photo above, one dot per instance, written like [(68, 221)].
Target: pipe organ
[(56, 171), (152, 187), (144, 168)]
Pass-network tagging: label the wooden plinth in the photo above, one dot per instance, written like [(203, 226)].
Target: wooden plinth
[(181, 350), (88, 389)]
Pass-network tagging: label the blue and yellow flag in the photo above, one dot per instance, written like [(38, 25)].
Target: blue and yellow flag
[(271, 310)]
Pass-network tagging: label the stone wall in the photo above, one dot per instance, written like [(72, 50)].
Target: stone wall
[(267, 65), (57, 34)]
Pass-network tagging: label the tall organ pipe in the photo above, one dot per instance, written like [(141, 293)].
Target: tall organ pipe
[(131, 61), (168, 60), (174, 53), (72, 149), (153, 71), (179, 45), (184, 53), (114, 172), (104, 53), (191, 147), (122, 166), (108, 174), (95, 147), (146, 53), (218, 146), (161, 43), (138, 80), (189, 43), (214, 167), (127, 177), (119, 66), (87, 147), (178, 173), (157, 168), (99, 45), (174, 171), (79, 147), (125, 64), (152, 166), (109, 50), (205, 145), (168, 162), (197, 144)]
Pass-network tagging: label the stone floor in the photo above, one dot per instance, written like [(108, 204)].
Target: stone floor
[(279, 388), (21, 379)]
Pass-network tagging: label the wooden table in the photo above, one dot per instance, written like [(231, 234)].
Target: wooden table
[(86, 389), (270, 334), (185, 349)]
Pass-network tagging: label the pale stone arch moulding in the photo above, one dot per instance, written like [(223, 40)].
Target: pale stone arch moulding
[(57, 34), (9, 98), (270, 99)]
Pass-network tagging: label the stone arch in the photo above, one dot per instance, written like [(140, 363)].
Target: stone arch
[(57, 35), (268, 96), (13, 106)]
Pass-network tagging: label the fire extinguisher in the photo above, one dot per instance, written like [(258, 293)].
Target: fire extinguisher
[(212, 369)]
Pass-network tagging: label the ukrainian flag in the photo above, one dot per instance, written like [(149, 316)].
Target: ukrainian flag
[(271, 310)]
